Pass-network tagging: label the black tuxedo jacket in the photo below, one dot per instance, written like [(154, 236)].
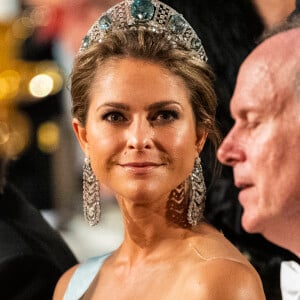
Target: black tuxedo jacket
[(32, 255)]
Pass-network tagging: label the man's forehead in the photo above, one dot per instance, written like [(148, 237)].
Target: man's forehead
[(254, 69), (282, 46), (268, 69), (255, 80)]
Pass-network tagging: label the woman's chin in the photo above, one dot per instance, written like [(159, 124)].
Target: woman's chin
[(140, 194)]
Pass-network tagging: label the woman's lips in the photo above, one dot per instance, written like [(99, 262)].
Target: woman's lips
[(140, 164), (140, 167)]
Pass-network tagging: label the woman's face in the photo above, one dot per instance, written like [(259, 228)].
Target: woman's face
[(140, 132)]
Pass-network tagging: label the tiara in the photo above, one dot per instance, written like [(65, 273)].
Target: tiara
[(151, 15)]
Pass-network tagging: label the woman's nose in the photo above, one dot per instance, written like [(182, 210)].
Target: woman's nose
[(231, 152), (139, 135)]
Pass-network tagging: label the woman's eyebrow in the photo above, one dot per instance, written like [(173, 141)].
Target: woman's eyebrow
[(117, 105), (162, 104)]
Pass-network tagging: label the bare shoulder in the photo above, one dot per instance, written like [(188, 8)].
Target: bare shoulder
[(224, 279), (208, 243), (63, 282), (223, 272)]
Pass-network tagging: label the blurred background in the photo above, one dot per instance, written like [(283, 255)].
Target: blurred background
[(38, 41)]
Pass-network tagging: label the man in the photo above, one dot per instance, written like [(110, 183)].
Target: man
[(263, 147)]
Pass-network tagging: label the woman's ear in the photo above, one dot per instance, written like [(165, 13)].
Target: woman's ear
[(201, 139), (81, 135)]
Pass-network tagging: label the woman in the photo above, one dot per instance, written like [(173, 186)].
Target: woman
[(143, 107)]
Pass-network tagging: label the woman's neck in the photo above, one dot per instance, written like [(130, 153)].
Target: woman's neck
[(147, 226)]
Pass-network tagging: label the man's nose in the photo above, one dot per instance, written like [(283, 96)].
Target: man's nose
[(230, 152)]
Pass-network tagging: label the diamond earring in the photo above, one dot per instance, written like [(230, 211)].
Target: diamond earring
[(91, 194), (197, 194)]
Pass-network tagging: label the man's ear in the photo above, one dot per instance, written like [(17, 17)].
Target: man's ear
[(81, 135), (201, 139)]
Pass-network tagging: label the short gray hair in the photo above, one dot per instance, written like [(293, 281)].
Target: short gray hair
[(292, 22)]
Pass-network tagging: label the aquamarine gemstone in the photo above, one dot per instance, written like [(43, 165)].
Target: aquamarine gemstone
[(104, 22), (196, 44), (86, 41), (177, 24), (142, 10)]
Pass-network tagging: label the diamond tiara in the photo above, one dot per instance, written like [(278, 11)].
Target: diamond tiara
[(151, 15)]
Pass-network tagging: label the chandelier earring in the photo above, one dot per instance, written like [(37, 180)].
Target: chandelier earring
[(91, 194), (197, 193)]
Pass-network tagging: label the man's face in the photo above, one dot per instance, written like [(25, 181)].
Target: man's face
[(263, 147)]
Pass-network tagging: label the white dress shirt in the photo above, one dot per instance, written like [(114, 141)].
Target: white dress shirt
[(290, 280)]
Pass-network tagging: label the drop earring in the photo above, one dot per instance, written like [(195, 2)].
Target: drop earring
[(197, 193), (91, 195)]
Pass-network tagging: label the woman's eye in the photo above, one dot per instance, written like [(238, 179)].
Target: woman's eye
[(114, 117), (165, 116)]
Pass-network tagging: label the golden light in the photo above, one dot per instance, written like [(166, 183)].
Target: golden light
[(9, 84), (14, 132), (57, 80), (21, 81), (3, 88), (4, 133), (17, 143), (41, 85), (48, 137), (51, 69)]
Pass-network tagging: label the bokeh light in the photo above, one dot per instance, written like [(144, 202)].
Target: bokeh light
[(48, 137), (9, 84), (41, 85), (15, 128)]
